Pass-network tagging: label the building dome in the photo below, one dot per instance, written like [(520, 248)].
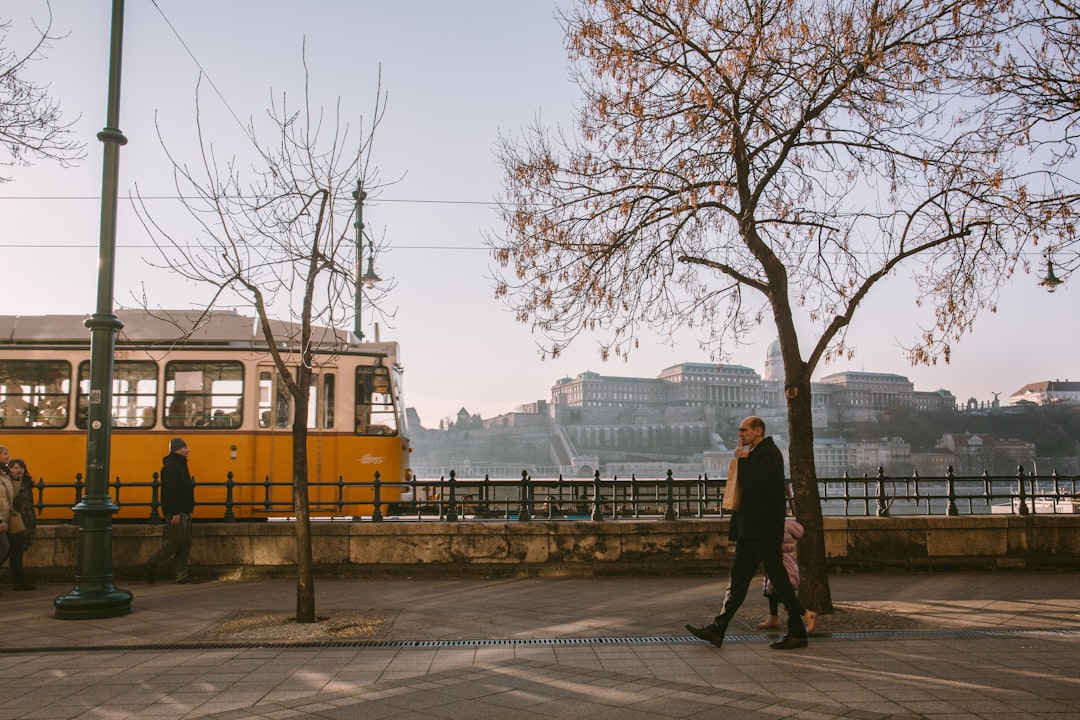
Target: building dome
[(774, 361)]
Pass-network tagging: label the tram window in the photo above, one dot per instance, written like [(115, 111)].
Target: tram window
[(313, 402), (134, 394), (375, 413), (34, 393), (328, 399), (276, 408), (203, 394), (321, 400)]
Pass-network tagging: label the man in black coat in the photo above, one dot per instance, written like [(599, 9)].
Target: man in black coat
[(757, 528), (177, 504)]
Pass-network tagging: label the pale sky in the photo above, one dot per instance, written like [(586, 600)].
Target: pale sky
[(457, 74)]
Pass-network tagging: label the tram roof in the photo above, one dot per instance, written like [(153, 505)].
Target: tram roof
[(183, 327)]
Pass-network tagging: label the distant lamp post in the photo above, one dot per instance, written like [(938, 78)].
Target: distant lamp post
[(370, 277), (1051, 281)]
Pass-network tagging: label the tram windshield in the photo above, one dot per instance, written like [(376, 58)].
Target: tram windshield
[(376, 413)]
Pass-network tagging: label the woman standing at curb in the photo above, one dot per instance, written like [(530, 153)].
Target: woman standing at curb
[(7, 494), (23, 505)]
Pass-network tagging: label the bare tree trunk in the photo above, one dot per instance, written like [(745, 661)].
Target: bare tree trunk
[(814, 590), (305, 566)]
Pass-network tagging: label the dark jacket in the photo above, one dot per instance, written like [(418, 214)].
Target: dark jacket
[(177, 489), (763, 506), (24, 505)]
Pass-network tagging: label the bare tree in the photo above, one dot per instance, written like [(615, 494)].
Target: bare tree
[(281, 242), (31, 123), (735, 162), (1032, 80)]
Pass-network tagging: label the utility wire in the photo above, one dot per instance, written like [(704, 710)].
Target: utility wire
[(94, 246), (209, 79), (96, 198)]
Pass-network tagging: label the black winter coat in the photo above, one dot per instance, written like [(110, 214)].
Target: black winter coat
[(763, 506), (177, 489)]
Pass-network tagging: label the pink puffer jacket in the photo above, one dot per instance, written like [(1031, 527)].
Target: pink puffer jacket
[(792, 532)]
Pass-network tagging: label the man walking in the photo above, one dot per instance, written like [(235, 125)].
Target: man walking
[(757, 528), (177, 504)]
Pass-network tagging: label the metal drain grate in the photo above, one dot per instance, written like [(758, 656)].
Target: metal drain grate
[(525, 642)]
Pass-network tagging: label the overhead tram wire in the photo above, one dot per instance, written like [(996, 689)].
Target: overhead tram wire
[(203, 71), (489, 203), (76, 246)]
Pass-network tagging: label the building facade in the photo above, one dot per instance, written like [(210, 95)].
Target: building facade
[(1048, 392)]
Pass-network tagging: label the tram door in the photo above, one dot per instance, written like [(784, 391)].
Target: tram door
[(274, 442)]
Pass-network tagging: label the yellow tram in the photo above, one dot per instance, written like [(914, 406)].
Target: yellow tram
[(209, 379)]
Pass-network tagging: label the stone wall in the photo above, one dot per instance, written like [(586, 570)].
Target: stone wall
[(554, 548)]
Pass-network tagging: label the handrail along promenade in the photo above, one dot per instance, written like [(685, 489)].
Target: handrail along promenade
[(450, 499)]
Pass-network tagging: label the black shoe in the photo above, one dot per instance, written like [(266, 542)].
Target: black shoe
[(710, 633), (148, 572), (24, 586), (789, 643)]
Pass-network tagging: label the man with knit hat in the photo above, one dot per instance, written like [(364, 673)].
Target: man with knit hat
[(177, 504)]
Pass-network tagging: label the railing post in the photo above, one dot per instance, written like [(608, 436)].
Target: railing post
[(702, 491), (267, 497), (950, 492), (341, 496), (116, 487), (155, 517), (847, 494), (669, 512), (451, 509), (40, 487), (229, 515), (376, 500), (414, 486), (882, 504), (597, 511), (523, 498), (1023, 509), (79, 485)]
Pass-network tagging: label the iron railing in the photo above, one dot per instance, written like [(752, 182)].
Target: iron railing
[(451, 499)]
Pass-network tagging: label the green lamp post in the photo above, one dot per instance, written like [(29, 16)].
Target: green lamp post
[(369, 278), (94, 595)]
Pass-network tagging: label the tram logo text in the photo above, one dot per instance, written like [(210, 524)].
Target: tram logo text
[(370, 459)]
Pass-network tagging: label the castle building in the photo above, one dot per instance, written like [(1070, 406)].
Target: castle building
[(733, 390), (712, 385), (1047, 392)]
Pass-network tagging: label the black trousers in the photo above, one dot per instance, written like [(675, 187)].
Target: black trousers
[(749, 556), (177, 542), (16, 547)]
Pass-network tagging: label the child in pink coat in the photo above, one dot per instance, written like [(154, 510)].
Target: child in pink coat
[(792, 532)]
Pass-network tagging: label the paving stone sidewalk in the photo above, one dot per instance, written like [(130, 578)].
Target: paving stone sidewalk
[(967, 645)]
